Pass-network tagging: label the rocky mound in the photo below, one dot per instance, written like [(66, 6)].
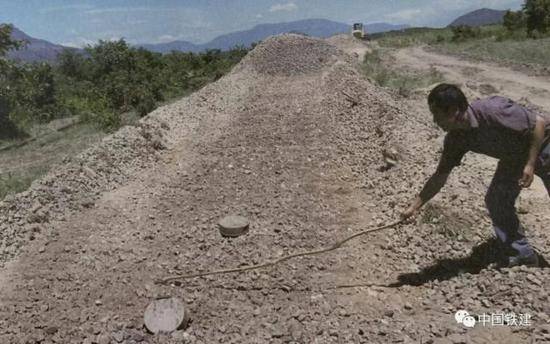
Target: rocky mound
[(308, 160), (77, 183), (290, 54)]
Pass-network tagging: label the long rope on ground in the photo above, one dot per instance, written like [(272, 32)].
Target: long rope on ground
[(335, 246)]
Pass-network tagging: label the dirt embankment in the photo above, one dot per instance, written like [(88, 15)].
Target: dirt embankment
[(293, 139)]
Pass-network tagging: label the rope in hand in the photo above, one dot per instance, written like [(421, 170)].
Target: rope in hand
[(335, 246)]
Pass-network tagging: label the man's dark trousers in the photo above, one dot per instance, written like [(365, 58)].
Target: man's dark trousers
[(501, 198)]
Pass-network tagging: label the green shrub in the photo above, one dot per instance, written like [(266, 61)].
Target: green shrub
[(112, 78), (513, 20), (144, 102), (463, 32)]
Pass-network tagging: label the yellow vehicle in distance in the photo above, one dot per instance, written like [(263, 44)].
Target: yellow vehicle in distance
[(358, 31)]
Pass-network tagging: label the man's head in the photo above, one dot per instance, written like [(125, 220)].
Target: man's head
[(448, 105)]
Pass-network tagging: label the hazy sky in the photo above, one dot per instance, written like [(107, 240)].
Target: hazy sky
[(77, 23)]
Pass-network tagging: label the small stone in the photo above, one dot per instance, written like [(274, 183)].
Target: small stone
[(277, 333), (534, 280), (333, 332), (118, 336), (103, 339), (456, 338), (51, 330), (137, 336), (179, 335), (286, 288), (87, 203)]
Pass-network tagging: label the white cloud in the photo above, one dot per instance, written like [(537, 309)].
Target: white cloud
[(79, 42), (289, 7), (259, 16), (124, 10), (166, 39), (72, 7), (406, 15)]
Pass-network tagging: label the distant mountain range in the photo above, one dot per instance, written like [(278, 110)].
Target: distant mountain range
[(41, 50), (484, 16), (312, 27), (35, 49)]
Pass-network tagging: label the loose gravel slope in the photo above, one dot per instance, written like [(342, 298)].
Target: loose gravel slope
[(293, 139)]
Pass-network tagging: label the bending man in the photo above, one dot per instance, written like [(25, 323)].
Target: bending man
[(501, 129)]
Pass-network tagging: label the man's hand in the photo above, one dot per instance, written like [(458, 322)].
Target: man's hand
[(412, 210), (409, 213), (431, 188), (528, 176)]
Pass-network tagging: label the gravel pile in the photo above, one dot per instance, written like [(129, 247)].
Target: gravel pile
[(305, 160), (79, 181), (76, 185), (290, 54)]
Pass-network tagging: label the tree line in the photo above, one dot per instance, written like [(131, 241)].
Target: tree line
[(531, 21), (100, 84), (534, 18)]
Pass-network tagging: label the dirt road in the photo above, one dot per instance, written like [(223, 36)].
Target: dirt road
[(478, 78), (292, 139)]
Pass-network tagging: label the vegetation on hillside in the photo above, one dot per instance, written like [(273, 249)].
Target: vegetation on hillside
[(523, 38), (109, 85), (111, 78)]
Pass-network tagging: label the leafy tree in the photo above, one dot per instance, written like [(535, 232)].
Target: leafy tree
[(537, 15), (464, 32), (513, 20), (109, 56), (109, 79), (8, 130), (33, 94), (6, 42), (72, 64)]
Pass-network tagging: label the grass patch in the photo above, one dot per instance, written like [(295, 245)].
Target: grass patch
[(412, 37), (375, 68), (15, 182), (19, 167), (490, 43), (533, 52)]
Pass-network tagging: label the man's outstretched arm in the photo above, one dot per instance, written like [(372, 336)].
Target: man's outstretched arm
[(430, 189), (536, 143), (455, 146)]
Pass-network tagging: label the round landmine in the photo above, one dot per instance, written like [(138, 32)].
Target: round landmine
[(233, 226), (165, 315)]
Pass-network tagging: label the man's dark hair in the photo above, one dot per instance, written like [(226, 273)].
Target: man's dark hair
[(445, 96)]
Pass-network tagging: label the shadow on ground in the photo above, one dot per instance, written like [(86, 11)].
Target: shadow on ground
[(483, 255)]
